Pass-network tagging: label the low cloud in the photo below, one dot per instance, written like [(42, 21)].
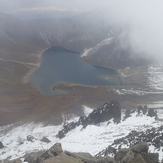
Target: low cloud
[(141, 18)]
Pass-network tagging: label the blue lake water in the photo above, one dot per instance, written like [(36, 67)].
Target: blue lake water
[(62, 66)]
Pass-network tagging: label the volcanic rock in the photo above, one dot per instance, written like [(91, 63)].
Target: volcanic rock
[(45, 140), (152, 113), (55, 150), (138, 159), (129, 156), (85, 157), (17, 161), (121, 154), (1, 145), (31, 158), (141, 147), (31, 138), (56, 155), (150, 157), (62, 158), (108, 111)]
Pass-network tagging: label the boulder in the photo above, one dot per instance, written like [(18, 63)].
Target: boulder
[(31, 138), (138, 159), (141, 147), (31, 159), (55, 150), (109, 159), (121, 154), (1, 145), (150, 157), (152, 113), (61, 134), (85, 157), (106, 159), (45, 140), (62, 158), (129, 156), (103, 160), (17, 161)]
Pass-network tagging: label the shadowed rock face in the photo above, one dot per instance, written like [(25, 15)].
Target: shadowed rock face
[(1, 145), (110, 110)]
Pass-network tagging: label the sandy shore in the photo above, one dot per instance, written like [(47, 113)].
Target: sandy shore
[(33, 66)]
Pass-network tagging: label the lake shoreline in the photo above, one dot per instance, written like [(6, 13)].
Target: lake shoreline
[(59, 65)]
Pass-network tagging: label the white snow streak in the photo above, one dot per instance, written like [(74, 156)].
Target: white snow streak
[(92, 50)]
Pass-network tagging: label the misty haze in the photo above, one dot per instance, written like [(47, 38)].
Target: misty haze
[(81, 81)]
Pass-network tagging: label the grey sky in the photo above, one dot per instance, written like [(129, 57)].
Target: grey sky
[(11, 5)]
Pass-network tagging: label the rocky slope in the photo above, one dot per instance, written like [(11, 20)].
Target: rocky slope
[(105, 135), (137, 137), (135, 154)]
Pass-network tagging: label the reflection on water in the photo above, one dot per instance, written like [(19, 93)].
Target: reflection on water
[(60, 65)]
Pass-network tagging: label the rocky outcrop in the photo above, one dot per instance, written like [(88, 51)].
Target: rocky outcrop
[(31, 158), (1, 145), (55, 150), (31, 138), (45, 140), (108, 111), (137, 153), (17, 161), (141, 110), (152, 136)]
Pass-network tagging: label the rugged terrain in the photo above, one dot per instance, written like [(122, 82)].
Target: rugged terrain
[(135, 154), (22, 41), (107, 133)]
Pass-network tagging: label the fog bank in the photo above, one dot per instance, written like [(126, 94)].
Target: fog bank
[(142, 19)]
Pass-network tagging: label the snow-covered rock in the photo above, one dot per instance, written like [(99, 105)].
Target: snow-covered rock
[(92, 139)]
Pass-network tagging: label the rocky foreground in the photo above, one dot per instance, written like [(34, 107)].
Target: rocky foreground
[(137, 146), (135, 154)]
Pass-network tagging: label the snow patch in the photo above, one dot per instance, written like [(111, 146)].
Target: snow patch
[(155, 77), (92, 50), (87, 110)]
